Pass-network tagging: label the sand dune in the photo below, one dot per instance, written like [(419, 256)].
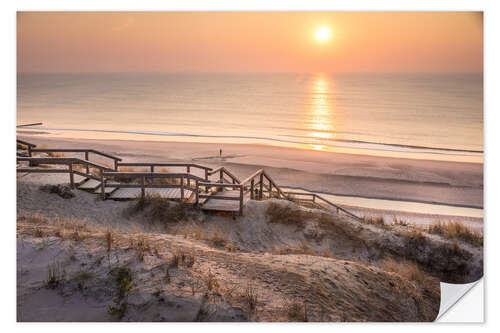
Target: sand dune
[(213, 268)]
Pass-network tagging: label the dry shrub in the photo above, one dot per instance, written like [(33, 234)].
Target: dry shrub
[(181, 258), (303, 248), (286, 214), (218, 238), (405, 268), (64, 191), (141, 246), (139, 204), (294, 311), (55, 275), (36, 219), (414, 238), (399, 222), (457, 230), (165, 211), (378, 221), (251, 298), (211, 282), (160, 209), (327, 253)]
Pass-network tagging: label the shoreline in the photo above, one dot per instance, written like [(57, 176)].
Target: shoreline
[(458, 184), (364, 148)]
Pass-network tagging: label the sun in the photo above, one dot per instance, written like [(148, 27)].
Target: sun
[(322, 34)]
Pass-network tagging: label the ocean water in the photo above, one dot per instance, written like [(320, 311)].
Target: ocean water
[(427, 114)]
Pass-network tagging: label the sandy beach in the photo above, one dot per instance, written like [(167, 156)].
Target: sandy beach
[(424, 181)]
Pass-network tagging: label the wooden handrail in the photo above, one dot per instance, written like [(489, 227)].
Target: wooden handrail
[(25, 143), (262, 173), (222, 171), (207, 184), (339, 208), (57, 150), (61, 160), (164, 165), (249, 178), (317, 196), (48, 160), (26, 125), (153, 175)]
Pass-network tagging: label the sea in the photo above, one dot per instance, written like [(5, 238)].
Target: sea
[(414, 115)]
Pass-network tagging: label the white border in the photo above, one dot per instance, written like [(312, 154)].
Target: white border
[(492, 138)]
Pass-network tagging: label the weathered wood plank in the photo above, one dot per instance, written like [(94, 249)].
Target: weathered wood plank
[(90, 184)]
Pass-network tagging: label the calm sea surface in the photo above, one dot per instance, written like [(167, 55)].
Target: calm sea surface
[(427, 114)]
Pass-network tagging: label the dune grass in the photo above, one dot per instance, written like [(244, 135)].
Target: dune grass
[(457, 231), (405, 268), (157, 208)]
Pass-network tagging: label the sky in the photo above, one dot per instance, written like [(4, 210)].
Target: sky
[(249, 42)]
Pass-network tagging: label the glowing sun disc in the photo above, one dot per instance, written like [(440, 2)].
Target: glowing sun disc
[(322, 34)]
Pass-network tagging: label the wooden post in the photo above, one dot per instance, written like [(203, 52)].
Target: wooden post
[(116, 165), (196, 193), (206, 174), (270, 189), (152, 168), (182, 188), (314, 198), (86, 159), (188, 169), (71, 179), (251, 189), (221, 176), (103, 193), (29, 155), (143, 190), (261, 185), (241, 200)]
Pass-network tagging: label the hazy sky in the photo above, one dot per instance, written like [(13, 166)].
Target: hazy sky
[(249, 41)]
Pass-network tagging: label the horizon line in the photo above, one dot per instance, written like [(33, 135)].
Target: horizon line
[(249, 72)]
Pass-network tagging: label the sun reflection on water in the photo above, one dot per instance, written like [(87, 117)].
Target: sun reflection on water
[(320, 117)]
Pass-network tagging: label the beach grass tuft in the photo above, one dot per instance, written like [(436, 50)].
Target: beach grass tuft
[(456, 230), (405, 268)]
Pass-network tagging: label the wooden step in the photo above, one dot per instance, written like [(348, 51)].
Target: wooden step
[(79, 179), (90, 184), (168, 193), (107, 190), (221, 205)]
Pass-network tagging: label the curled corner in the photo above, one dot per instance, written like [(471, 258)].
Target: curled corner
[(451, 294)]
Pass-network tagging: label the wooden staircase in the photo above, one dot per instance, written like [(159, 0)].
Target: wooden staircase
[(191, 187)]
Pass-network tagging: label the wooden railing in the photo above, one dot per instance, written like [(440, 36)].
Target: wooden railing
[(28, 145), (221, 171), (69, 161), (249, 184), (217, 196), (85, 151), (184, 181), (257, 188), (152, 166), (255, 183), (320, 201)]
